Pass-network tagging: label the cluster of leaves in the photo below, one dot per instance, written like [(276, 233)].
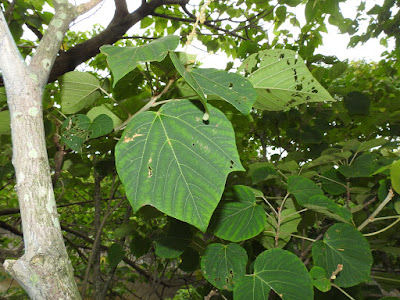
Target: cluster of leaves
[(217, 213)]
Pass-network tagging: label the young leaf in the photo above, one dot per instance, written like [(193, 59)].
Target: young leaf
[(231, 87), (238, 220), (282, 80), (175, 162), (279, 270), (224, 265), (319, 279), (191, 80), (78, 91), (123, 60), (288, 225), (344, 245)]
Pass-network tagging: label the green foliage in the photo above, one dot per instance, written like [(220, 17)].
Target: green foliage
[(240, 183), (279, 270)]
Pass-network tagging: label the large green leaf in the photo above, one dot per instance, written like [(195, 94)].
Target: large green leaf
[(282, 80), (123, 60), (344, 245), (78, 91), (192, 81), (172, 160), (279, 270), (230, 87), (238, 220), (303, 188), (224, 265)]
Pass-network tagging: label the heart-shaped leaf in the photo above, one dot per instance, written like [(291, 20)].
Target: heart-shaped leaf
[(123, 60), (319, 279), (78, 91), (238, 220), (172, 160), (346, 246), (224, 265), (282, 80), (279, 270)]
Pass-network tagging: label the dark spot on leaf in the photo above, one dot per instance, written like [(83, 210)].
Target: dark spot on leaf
[(268, 91)]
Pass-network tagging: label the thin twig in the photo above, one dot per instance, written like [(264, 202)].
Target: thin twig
[(389, 197)]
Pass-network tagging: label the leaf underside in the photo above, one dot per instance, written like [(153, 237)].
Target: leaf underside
[(282, 80)]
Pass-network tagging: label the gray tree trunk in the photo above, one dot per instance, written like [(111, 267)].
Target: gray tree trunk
[(44, 270)]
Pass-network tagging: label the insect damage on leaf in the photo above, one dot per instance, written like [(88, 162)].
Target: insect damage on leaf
[(128, 139)]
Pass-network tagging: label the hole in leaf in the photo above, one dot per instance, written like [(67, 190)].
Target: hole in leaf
[(232, 163), (150, 172)]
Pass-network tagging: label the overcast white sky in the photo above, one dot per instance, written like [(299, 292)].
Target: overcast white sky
[(334, 43)]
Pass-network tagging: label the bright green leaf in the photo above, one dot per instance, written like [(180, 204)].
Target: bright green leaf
[(319, 279), (78, 91), (224, 265), (395, 176), (344, 245), (123, 60), (175, 162), (279, 270), (238, 220), (282, 80)]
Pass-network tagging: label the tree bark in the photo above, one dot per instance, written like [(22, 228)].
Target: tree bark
[(44, 271)]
